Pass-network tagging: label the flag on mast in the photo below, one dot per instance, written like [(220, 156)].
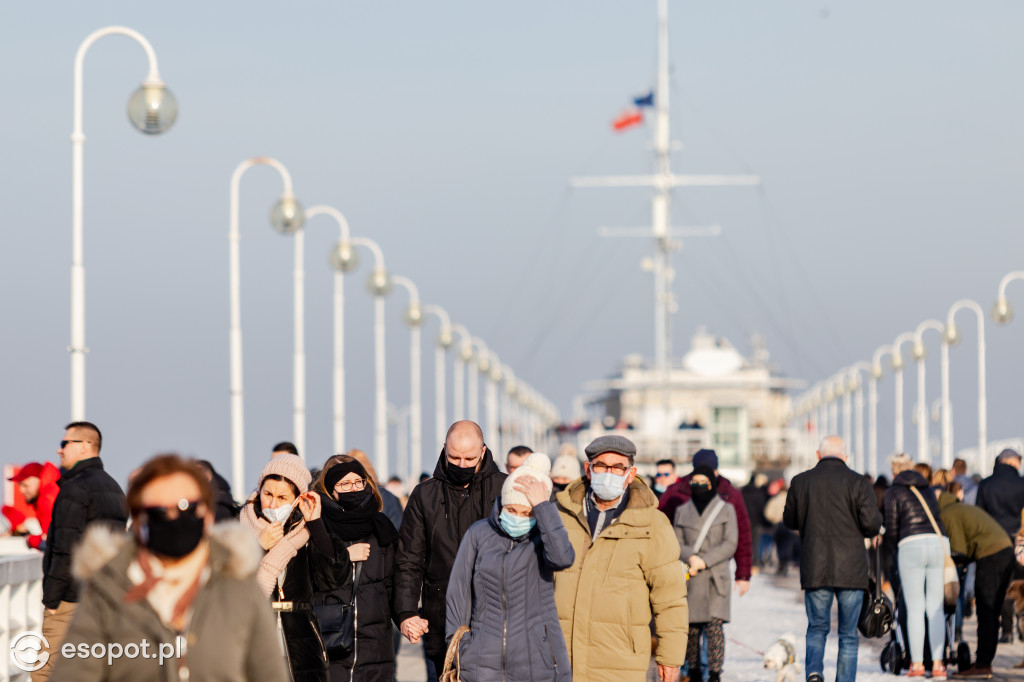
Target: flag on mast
[(627, 120), (645, 100)]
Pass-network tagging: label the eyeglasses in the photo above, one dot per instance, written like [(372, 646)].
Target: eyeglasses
[(190, 507), (617, 469), (64, 443), (663, 474), (349, 486)]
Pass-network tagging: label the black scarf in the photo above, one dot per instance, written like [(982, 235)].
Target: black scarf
[(359, 523)]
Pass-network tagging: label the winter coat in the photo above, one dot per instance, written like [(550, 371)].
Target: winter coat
[(392, 507), (833, 509), (503, 589), (374, 659), (972, 532), (231, 636), (436, 517), (1002, 496), (43, 504), (679, 493), (904, 515), (87, 494), (707, 592), (755, 498), (617, 582)]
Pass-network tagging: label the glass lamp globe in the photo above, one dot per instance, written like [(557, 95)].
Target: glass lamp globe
[(414, 315), (853, 384), (379, 283), (344, 257), (897, 362), (1002, 312), (466, 352), (496, 374), (510, 387), (484, 365), (287, 216), (445, 339), (951, 335), (152, 108), (918, 352), (876, 371)]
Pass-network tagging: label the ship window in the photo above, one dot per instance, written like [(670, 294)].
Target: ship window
[(729, 434)]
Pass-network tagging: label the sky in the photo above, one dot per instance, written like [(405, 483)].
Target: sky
[(887, 137)]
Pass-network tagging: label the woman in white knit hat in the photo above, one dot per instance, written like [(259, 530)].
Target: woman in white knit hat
[(502, 584), (285, 515)]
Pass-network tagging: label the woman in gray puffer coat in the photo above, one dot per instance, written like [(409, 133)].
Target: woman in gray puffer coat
[(502, 585)]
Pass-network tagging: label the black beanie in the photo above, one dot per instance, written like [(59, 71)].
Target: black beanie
[(339, 471)]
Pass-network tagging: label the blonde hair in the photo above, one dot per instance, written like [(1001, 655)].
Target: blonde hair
[(900, 462), (942, 477), (320, 484)]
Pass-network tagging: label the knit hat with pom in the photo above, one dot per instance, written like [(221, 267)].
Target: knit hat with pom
[(536, 466), (289, 467)]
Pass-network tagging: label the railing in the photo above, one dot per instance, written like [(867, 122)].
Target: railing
[(21, 605)]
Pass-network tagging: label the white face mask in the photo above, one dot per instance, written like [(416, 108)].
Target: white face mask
[(279, 514)]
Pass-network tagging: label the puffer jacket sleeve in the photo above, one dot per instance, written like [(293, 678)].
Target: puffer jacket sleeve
[(88, 626), (791, 517), (744, 549), (72, 514), (667, 583), (411, 558), (558, 552), (459, 601), (263, 661), (722, 552)]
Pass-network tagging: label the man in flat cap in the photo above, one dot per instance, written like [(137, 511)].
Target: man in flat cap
[(627, 570)]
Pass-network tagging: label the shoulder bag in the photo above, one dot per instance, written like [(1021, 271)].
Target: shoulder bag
[(705, 529), (950, 578), (337, 620), (452, 671), (876, 613)]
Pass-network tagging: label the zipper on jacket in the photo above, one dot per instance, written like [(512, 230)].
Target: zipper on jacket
[(551, 649), (504, 607), (355, 628)]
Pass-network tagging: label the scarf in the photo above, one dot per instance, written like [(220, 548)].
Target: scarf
[(169, 590), (359, 523), (277, 557)]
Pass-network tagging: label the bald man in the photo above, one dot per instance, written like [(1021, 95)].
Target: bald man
[(440, 510), (833, 509)]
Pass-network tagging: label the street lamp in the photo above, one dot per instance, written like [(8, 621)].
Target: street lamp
[(509, 413), (876, 374), (897, 367), (445, 339), (286, 217), (152, 109), (482, 364), (919, 353), (492, 376), (952, 336), (842, 388), (414, 318), (857, 387), (464, 356), (379, 285), (1001, 311)]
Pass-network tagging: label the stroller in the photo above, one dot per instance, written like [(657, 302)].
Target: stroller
[(895, 657)]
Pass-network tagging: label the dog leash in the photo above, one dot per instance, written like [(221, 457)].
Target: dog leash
[(748, 648)]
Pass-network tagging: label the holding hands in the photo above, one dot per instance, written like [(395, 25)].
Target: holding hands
[(413, 628)]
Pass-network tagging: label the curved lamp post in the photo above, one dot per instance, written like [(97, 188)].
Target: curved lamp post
[(482, 364), (464, 356), (952, 337), (379, 285), (152, 109), (492, 374), (919, 353), (1001, 311), (286, 217), (876, 374), (445, 339), (897, 370), (414, 318), (856, 386)]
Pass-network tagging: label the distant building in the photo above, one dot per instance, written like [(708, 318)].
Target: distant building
[(712, 398)]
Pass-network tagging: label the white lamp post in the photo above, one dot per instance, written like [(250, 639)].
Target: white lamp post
[(152, 109), (952, 335), (379, 285), (1001, 311), (286, 217), (919, 353), (876, 374), (492, 375), (464, 356), (481, 365), (414, 318), (897, 367), (444, 342), (841, 388), (509, 413), (857, 386)]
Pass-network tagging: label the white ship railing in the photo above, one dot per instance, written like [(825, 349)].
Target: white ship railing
[(21, 605)]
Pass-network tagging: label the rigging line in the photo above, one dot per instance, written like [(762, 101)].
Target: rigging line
[(716, 134), (838, 339)]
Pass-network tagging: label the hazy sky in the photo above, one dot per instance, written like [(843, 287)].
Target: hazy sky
[(888, 136)]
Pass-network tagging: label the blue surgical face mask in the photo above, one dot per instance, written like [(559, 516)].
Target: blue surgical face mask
[(608, 486), (516, 526)]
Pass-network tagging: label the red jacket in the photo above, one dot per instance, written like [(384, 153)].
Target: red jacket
[(48, 490), (678, 494)]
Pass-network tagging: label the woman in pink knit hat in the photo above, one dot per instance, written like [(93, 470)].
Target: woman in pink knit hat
[(285, 515)]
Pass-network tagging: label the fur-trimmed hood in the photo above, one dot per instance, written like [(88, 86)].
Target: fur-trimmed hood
[(234, 550)]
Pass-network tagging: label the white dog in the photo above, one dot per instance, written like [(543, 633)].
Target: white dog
[(781, 657)]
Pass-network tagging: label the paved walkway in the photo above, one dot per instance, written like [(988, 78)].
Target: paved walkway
[(773, 607)]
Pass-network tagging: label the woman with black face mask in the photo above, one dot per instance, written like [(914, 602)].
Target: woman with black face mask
[(176, 584), (286, 518), (707, 533), (351, 504)]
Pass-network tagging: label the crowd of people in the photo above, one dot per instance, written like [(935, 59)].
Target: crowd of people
[(528, 569)]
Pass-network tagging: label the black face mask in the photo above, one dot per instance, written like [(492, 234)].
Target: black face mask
[(175, 537), (352, 500), (701, 489), (460, 475)]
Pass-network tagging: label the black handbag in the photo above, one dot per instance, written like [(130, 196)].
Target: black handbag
[(876, 612), (337, 620)]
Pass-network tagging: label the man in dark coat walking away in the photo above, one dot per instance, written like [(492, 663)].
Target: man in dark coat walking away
[(1001, 495), (87, 494), (440, 510), (833, 509)]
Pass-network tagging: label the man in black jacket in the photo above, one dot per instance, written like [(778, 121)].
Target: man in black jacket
[(440, 510), (833, 509), (1002, 496), (87, 494)]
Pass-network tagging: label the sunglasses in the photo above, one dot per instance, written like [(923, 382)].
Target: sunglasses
[(64, 443), (190, 507)]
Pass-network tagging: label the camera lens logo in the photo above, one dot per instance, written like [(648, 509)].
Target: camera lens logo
[(28, 651)]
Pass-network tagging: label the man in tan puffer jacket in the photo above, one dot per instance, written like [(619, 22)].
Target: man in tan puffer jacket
[(627, 569)]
